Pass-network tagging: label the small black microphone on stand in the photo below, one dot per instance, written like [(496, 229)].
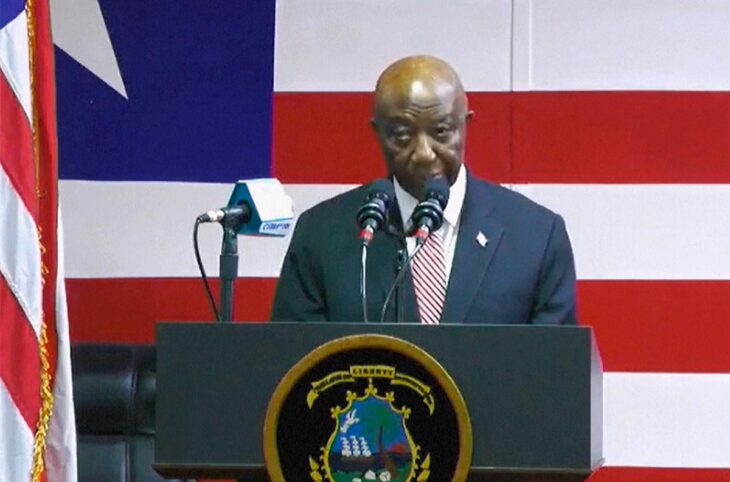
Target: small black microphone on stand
[(371, 215), (370, 218), (428, 216)]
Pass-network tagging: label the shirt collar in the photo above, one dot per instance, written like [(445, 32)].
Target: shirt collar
[(457, 192)]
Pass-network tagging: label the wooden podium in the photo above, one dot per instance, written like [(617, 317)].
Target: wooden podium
[(534, 394)]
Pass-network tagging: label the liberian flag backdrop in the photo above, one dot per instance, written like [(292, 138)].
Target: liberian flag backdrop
[(615, 114)]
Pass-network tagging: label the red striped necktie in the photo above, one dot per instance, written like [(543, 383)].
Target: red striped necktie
[(429, 279)]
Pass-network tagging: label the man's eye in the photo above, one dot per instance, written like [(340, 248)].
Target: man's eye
[(401, 135), (443, 131)]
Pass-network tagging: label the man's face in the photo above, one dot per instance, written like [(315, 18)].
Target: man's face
[(422, 134)]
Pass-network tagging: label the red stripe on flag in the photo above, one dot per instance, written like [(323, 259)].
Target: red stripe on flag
[(45, 103), (666, 326), (60, 452), (335, 155), (342, 147), (125, 310), (659, 326), (19, 356), (16, 147), (622, 137), (639, 474), (539, 137)]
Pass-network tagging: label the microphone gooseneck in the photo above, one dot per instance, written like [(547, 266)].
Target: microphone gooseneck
[(428, 216)]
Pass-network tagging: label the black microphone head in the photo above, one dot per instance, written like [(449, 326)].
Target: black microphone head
[(375, 207), (437, 188), (381, 188), (429, 213)]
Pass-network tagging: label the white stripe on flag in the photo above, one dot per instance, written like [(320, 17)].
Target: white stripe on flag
[(637, 231), (621, 45), (20, 262), (643, 231), (61, 457), (384, 32), (16, 459), (666, 420), (14, 60), (504, 45)]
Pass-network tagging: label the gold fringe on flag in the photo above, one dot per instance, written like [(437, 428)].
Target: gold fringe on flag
[(44, 415), (44, 419)]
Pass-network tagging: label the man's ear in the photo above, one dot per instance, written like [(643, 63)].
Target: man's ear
[(469, 115), (374, 124)]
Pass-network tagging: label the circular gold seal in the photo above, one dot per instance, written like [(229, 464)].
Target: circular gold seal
[(367, 408)]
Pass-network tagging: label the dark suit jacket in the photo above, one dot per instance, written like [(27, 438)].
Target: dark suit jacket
[(524, 273)]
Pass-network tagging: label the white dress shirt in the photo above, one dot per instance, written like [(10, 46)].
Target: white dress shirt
[(449, 230)]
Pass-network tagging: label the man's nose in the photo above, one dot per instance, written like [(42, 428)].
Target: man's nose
[(423, 152)]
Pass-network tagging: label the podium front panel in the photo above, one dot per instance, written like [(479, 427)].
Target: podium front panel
[(533, 392)]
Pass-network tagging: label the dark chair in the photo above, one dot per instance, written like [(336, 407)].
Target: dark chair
[(114, 396)]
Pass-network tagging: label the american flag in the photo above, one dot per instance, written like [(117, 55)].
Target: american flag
[(615, 114), (37, 429)]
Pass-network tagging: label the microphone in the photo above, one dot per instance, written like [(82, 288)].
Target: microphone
[(370, 218), (257, 207), (240, 213), (371, 215), (428, 216)]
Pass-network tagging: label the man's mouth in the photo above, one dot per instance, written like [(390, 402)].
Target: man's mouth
[(425, 175)]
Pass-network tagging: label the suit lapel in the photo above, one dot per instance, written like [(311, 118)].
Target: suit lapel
[(479, 236)]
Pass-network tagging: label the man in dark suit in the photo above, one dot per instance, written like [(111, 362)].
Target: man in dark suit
[(498, 257)]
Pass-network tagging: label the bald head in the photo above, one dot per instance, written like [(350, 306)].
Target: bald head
[(419, 115), (417, 77)]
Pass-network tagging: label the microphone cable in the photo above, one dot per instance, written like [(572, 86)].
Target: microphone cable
[(364, 281), (397, 281), (208, 291)]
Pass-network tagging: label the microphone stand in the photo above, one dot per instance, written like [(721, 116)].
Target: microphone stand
[(400, 294), (364, 280), (228, 268), (394, 229)]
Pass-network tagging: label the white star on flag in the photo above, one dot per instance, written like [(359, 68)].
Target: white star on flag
[(80, 31)]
